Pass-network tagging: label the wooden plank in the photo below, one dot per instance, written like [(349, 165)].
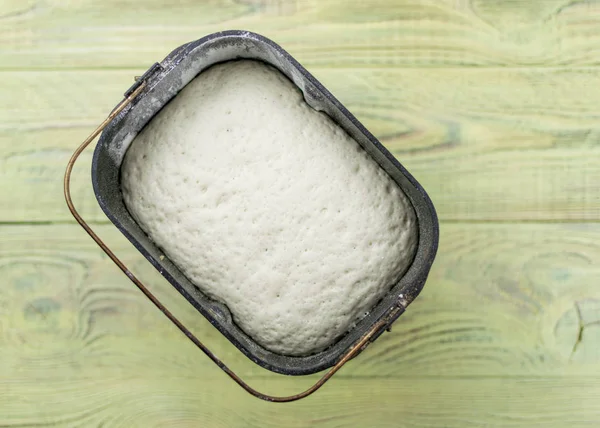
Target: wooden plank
[(487, 144), (501, 301), (370, 33), (156, 399)]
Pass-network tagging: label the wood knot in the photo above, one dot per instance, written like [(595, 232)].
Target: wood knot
[(578, 331)]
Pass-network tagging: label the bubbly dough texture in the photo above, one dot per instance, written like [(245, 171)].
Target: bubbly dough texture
[(268, 206)]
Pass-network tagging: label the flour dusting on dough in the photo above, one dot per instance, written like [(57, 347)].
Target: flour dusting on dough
[(269, 207)]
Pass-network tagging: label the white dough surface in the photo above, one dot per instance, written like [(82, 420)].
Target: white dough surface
[(268, 206)]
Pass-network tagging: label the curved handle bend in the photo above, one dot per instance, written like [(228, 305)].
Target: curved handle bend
[(358, 346)]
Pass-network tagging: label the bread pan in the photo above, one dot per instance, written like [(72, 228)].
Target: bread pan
[(162, 82)]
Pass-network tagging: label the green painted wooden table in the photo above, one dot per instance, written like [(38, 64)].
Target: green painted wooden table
[(493, 105)]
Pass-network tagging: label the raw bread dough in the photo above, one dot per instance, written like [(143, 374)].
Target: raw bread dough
[(268, 206)]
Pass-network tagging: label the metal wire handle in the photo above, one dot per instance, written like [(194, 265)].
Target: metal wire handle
[(361, 344)]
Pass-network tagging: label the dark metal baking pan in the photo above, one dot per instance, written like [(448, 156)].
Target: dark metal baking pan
[(163, 81)]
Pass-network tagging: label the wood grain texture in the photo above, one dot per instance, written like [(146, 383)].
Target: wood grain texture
[(489, 144), (150, 399), (381, 33), (504, 334), (501, 301), (492, 105)]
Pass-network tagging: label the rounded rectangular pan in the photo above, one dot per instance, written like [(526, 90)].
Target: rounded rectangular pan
[(163, 81)]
